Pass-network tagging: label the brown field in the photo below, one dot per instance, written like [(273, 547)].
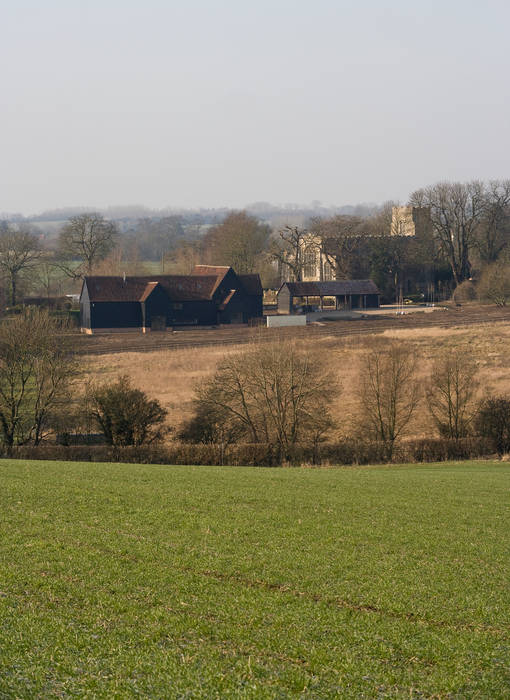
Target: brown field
[(170, 375)]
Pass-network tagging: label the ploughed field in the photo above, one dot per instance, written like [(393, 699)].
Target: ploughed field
[(153, 581), (100, 344)]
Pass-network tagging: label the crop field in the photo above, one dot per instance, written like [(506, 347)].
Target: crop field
[(205, 582)]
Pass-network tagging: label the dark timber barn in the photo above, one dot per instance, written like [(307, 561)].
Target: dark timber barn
[(348, 294), (207, 297)]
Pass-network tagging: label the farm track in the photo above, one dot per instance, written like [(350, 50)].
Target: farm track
[(188, 339)]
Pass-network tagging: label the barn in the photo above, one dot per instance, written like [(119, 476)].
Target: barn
[(207, 297), (347, 294)]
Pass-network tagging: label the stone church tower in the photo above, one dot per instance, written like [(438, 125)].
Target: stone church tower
[(410, 221)]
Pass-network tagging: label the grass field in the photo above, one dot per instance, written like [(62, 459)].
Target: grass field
[(170, 375), (201, 582)]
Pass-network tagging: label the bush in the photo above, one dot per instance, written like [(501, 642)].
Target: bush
[(465, 292), (262, 455), (493, 421), (125, 415), (494, 284)]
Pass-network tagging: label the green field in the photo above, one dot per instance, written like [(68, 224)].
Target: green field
[(202, 582)]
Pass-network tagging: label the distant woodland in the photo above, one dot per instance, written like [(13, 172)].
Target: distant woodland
[(465, 251)]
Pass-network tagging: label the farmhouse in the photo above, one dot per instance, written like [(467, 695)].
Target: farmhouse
[(207, 297), (348, 294)]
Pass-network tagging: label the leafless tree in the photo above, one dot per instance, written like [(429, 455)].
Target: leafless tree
[(35, 372), (86, 239), (341, 239), (184, 257), (288, 251), (276, 393), (494, 284), (19, 252), (238, 241), (389, 392), (455, 210), (493, 231), (450, 392), (47, 277)]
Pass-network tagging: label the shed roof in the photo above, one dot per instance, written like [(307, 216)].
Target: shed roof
[(332, 288)]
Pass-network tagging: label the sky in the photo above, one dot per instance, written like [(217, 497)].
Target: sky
[(190, 103)]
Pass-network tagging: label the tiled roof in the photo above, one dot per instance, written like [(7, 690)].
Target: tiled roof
[(227, 300), (219, 271), (178, 287), (333, 288), (210, 270)]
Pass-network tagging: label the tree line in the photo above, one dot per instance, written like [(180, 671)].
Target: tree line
[(469, 227), (272, 393)]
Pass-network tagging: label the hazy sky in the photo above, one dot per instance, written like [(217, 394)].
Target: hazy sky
[(226, 102)]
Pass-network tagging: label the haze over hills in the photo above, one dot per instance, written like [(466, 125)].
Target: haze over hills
[(274, 214)]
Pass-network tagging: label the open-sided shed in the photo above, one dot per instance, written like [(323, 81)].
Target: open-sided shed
[(348, 294)]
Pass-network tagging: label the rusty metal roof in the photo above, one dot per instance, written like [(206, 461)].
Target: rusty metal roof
[(332, 288)]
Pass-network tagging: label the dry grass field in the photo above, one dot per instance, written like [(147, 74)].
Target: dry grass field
[(171, 375)]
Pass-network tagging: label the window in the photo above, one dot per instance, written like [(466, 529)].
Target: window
[(310, 263)]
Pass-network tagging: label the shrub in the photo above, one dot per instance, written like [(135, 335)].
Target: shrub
[(464, 292), (346, 452), (494, 284), (125, 415), (493, 421)]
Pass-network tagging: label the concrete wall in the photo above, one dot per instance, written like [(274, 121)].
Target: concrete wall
[(280, 321)]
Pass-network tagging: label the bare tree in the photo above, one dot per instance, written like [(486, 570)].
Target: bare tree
[(494, 284), (19, 252), (341, 239), (389, 392), (450, 392), (184, 257), (493, 231), (47, 277), (238, 241), (86, 239), (455, 210), (35, 372), (274, 393), (289, 250)]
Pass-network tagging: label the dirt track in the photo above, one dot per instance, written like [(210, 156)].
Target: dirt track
[(137, 342)]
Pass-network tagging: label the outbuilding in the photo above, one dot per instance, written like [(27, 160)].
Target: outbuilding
[(347, 294), (207, 297)]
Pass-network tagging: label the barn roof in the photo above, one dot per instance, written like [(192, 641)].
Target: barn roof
[(218, 271), (178, 287), (251, 284), (332, 288), (211, 270)]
